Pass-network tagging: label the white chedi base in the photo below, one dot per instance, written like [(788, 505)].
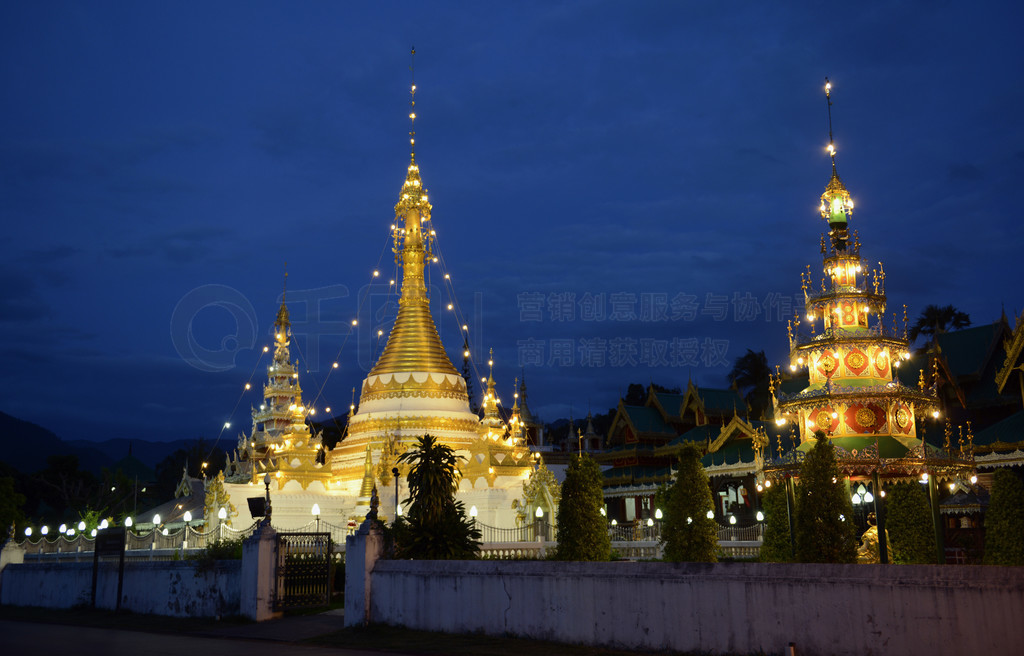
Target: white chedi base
[(292, 506)]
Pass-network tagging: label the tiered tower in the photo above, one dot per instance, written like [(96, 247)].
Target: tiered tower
[(850, 354), (280, 443)]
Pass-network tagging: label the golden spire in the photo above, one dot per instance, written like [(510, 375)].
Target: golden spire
[(491, 396), (283, 324), (366, 489), (836, 204), (413, 344)]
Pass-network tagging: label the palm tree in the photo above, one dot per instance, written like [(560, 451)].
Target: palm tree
[(751, 374), (436, 527), (935, 320)]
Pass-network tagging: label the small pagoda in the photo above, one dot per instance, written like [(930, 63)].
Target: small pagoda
[(851, 351), (280, 443)]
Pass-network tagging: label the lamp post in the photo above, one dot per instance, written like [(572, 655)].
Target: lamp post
[(539, 514), (222, 515), (184, 539), (266, 483), (316, 513), (398, 508)]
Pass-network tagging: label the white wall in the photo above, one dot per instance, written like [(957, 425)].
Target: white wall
[(175, 588), (725, 607)]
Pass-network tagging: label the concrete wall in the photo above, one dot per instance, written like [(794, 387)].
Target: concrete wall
[(726, 607), (175, 588)]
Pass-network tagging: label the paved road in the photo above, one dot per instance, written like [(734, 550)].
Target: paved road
[(30, 638)]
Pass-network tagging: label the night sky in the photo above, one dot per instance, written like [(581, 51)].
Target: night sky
[(623, 192)]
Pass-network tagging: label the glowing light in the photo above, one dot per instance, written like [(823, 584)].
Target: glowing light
[(952, 486), (760, 516), (767, 483), (732, 519), (447, 277), (71, 532), (868, 497), (974, 479), (650, 522), (81, 526), (711, 514), (391, 282), (63, 528), (44, 530), (128, 522), (689, 520), (935, 414), (355, 322), (265, 349), (657, 513), (434, 259), (280, 336), (222, 514), (449, 306), (327, 409), (376, 274), (465, 354), (465, 327), (164, 532), (539, 513), (924, 477), (227, 424), (188, 516), (93, 533), (473, 512), (28, 531), (614, 523), (316, 510), (104, 524), (334, 366), (248, 386), (780, 421), (604, 513), (412, 115)]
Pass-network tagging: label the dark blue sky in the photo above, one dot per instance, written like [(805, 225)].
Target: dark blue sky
[(624, 155)]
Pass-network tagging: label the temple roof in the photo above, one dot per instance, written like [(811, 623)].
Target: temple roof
[(967, 351)]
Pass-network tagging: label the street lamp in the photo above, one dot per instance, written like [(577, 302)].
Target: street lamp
[(760, 516), (732, 520), (128, 522), (81, 526), (711, 514), (44, 530), (398, 508), (222, 515), (316, 513), (184, 536)]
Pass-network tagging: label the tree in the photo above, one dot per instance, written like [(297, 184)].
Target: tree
[(908, 524), (1004, 521), (935, 320), (777, 546), (751, 374), (435, 527), (582, 530), (824, 512), (11, 503), (688, 533)]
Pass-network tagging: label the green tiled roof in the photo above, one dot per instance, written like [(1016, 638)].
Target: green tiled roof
[(647, 420), (1009, 430), (723, 400), (965, 350), (670, 402), (699, 434), (730, 454)]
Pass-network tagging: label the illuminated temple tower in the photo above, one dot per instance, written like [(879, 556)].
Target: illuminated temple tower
[(414, 389), (853, 397), (280, 443)]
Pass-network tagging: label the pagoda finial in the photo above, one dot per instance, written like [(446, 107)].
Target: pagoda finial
[(836, 204), (412, 107), (282, 323)]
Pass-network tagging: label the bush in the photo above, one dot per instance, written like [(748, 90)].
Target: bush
[(582, 529), (1004, 521), (777, 546), (908, 524), (688, 533), (824, 512)]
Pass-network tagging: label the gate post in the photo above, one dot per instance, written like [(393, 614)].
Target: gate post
[(259, 574), (362, 550)]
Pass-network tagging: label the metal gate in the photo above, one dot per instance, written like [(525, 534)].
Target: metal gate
[(303, 570)]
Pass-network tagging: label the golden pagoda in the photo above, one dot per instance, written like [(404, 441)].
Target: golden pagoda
[(280, 442), (851, 356), (413, 389)]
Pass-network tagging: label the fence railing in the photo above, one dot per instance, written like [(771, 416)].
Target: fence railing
[(532, 540), (182, 539)]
